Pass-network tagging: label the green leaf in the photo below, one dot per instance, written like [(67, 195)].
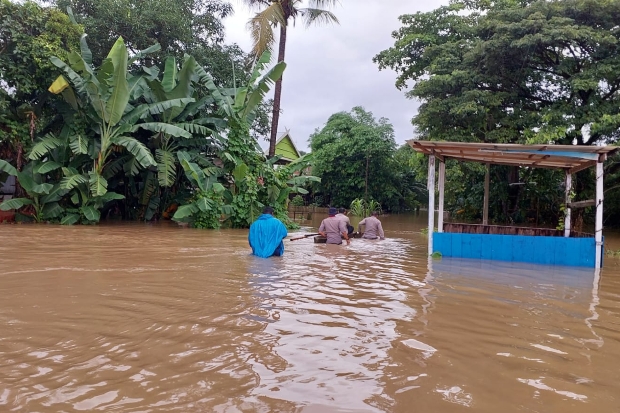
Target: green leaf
[(166, 167), (170, 74), (90, 213), (52, 210), (140, 152), (155, 48), (84, 49), (119, 98), (41, 189), (78, 144), (185, 211), (218, 188), (7, 167), (263, 87), (240, 172), (204, 204), (26, 181), (70, 182), (14, 203), (154, 109), (164, 128), (46, 167), (70, 219), (54, 195), (110, 196), (98, 185), (44, 145)]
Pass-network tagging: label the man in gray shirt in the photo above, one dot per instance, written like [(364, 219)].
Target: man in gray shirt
[(341, 215), (334, 229), (373, 226)]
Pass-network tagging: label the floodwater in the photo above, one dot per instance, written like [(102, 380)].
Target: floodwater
[(157, 318)]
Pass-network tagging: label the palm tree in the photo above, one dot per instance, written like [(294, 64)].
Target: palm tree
[(280, 13)]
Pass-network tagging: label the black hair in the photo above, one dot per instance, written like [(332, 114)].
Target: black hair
[(341, 210), (374, 213), (268, 210)]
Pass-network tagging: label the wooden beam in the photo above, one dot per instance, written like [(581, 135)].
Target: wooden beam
[(581, 167), (581, 204)]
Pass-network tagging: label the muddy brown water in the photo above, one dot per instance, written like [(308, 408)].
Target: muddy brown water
[(156, 318)]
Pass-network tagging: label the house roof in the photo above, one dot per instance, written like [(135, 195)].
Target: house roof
[(571, 157)]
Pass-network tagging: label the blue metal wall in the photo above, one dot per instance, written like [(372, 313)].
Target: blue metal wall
[(577, 252)]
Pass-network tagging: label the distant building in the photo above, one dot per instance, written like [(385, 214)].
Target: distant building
[(285, 147)]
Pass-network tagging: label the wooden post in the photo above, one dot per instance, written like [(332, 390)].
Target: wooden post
[(485, 208), (431, 201), (569, 184), (442, 178), (598, 228)]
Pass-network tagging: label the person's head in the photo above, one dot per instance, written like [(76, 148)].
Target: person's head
[(332, 212), (374, 213), (341, 210), (268, 210)]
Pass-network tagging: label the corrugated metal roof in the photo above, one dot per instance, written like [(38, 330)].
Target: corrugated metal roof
[(572, 157)]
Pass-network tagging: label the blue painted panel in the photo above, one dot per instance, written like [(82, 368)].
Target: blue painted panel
[(567, 154), (539, 250)]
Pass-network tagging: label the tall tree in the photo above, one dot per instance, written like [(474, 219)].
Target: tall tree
[(353, 155), (527, 71), (279, 13)]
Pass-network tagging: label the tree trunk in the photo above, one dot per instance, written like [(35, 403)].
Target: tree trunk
[(277, 94)]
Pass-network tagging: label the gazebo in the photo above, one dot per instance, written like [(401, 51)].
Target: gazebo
[(510, 243)]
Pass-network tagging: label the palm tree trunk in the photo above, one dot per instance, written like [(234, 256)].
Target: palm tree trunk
[(277, 94)]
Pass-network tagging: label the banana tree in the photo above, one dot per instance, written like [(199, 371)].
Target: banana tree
[(208, 199), (43, 197), (103, 96)]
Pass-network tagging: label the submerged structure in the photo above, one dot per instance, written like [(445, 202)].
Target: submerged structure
[(512, 243)]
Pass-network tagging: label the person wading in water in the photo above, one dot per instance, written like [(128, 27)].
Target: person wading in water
[(341, 215), (334, 229), (266, 235), (373, 226)]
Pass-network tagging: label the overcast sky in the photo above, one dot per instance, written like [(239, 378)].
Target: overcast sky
[(330, 68)]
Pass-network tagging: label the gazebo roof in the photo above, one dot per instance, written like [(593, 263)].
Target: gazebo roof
[(571, 157)]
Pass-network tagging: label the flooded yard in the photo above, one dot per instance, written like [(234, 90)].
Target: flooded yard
[(156, 318)]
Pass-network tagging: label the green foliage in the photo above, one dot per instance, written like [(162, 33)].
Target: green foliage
[(502, 72), (29, 35), (361, 208), (297, 200), (355, 156)]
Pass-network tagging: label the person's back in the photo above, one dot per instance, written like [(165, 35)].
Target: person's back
[(341, 215), (373, 228), (266, 235), (333, 228)]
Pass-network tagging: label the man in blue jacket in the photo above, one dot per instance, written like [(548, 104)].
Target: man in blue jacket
[(266, 235)]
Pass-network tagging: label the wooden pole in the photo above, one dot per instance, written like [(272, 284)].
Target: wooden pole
[(569, 184), (442, 178), (431, 201), (598, 229), (485, 210)]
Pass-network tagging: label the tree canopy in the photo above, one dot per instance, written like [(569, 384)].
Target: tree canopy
[(512, 71), (353, 156)]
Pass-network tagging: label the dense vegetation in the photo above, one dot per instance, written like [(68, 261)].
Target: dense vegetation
[(513, 72), (356, 157), (132, 136)]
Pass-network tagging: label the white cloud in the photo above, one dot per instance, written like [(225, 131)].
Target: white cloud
[(330, 68)]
